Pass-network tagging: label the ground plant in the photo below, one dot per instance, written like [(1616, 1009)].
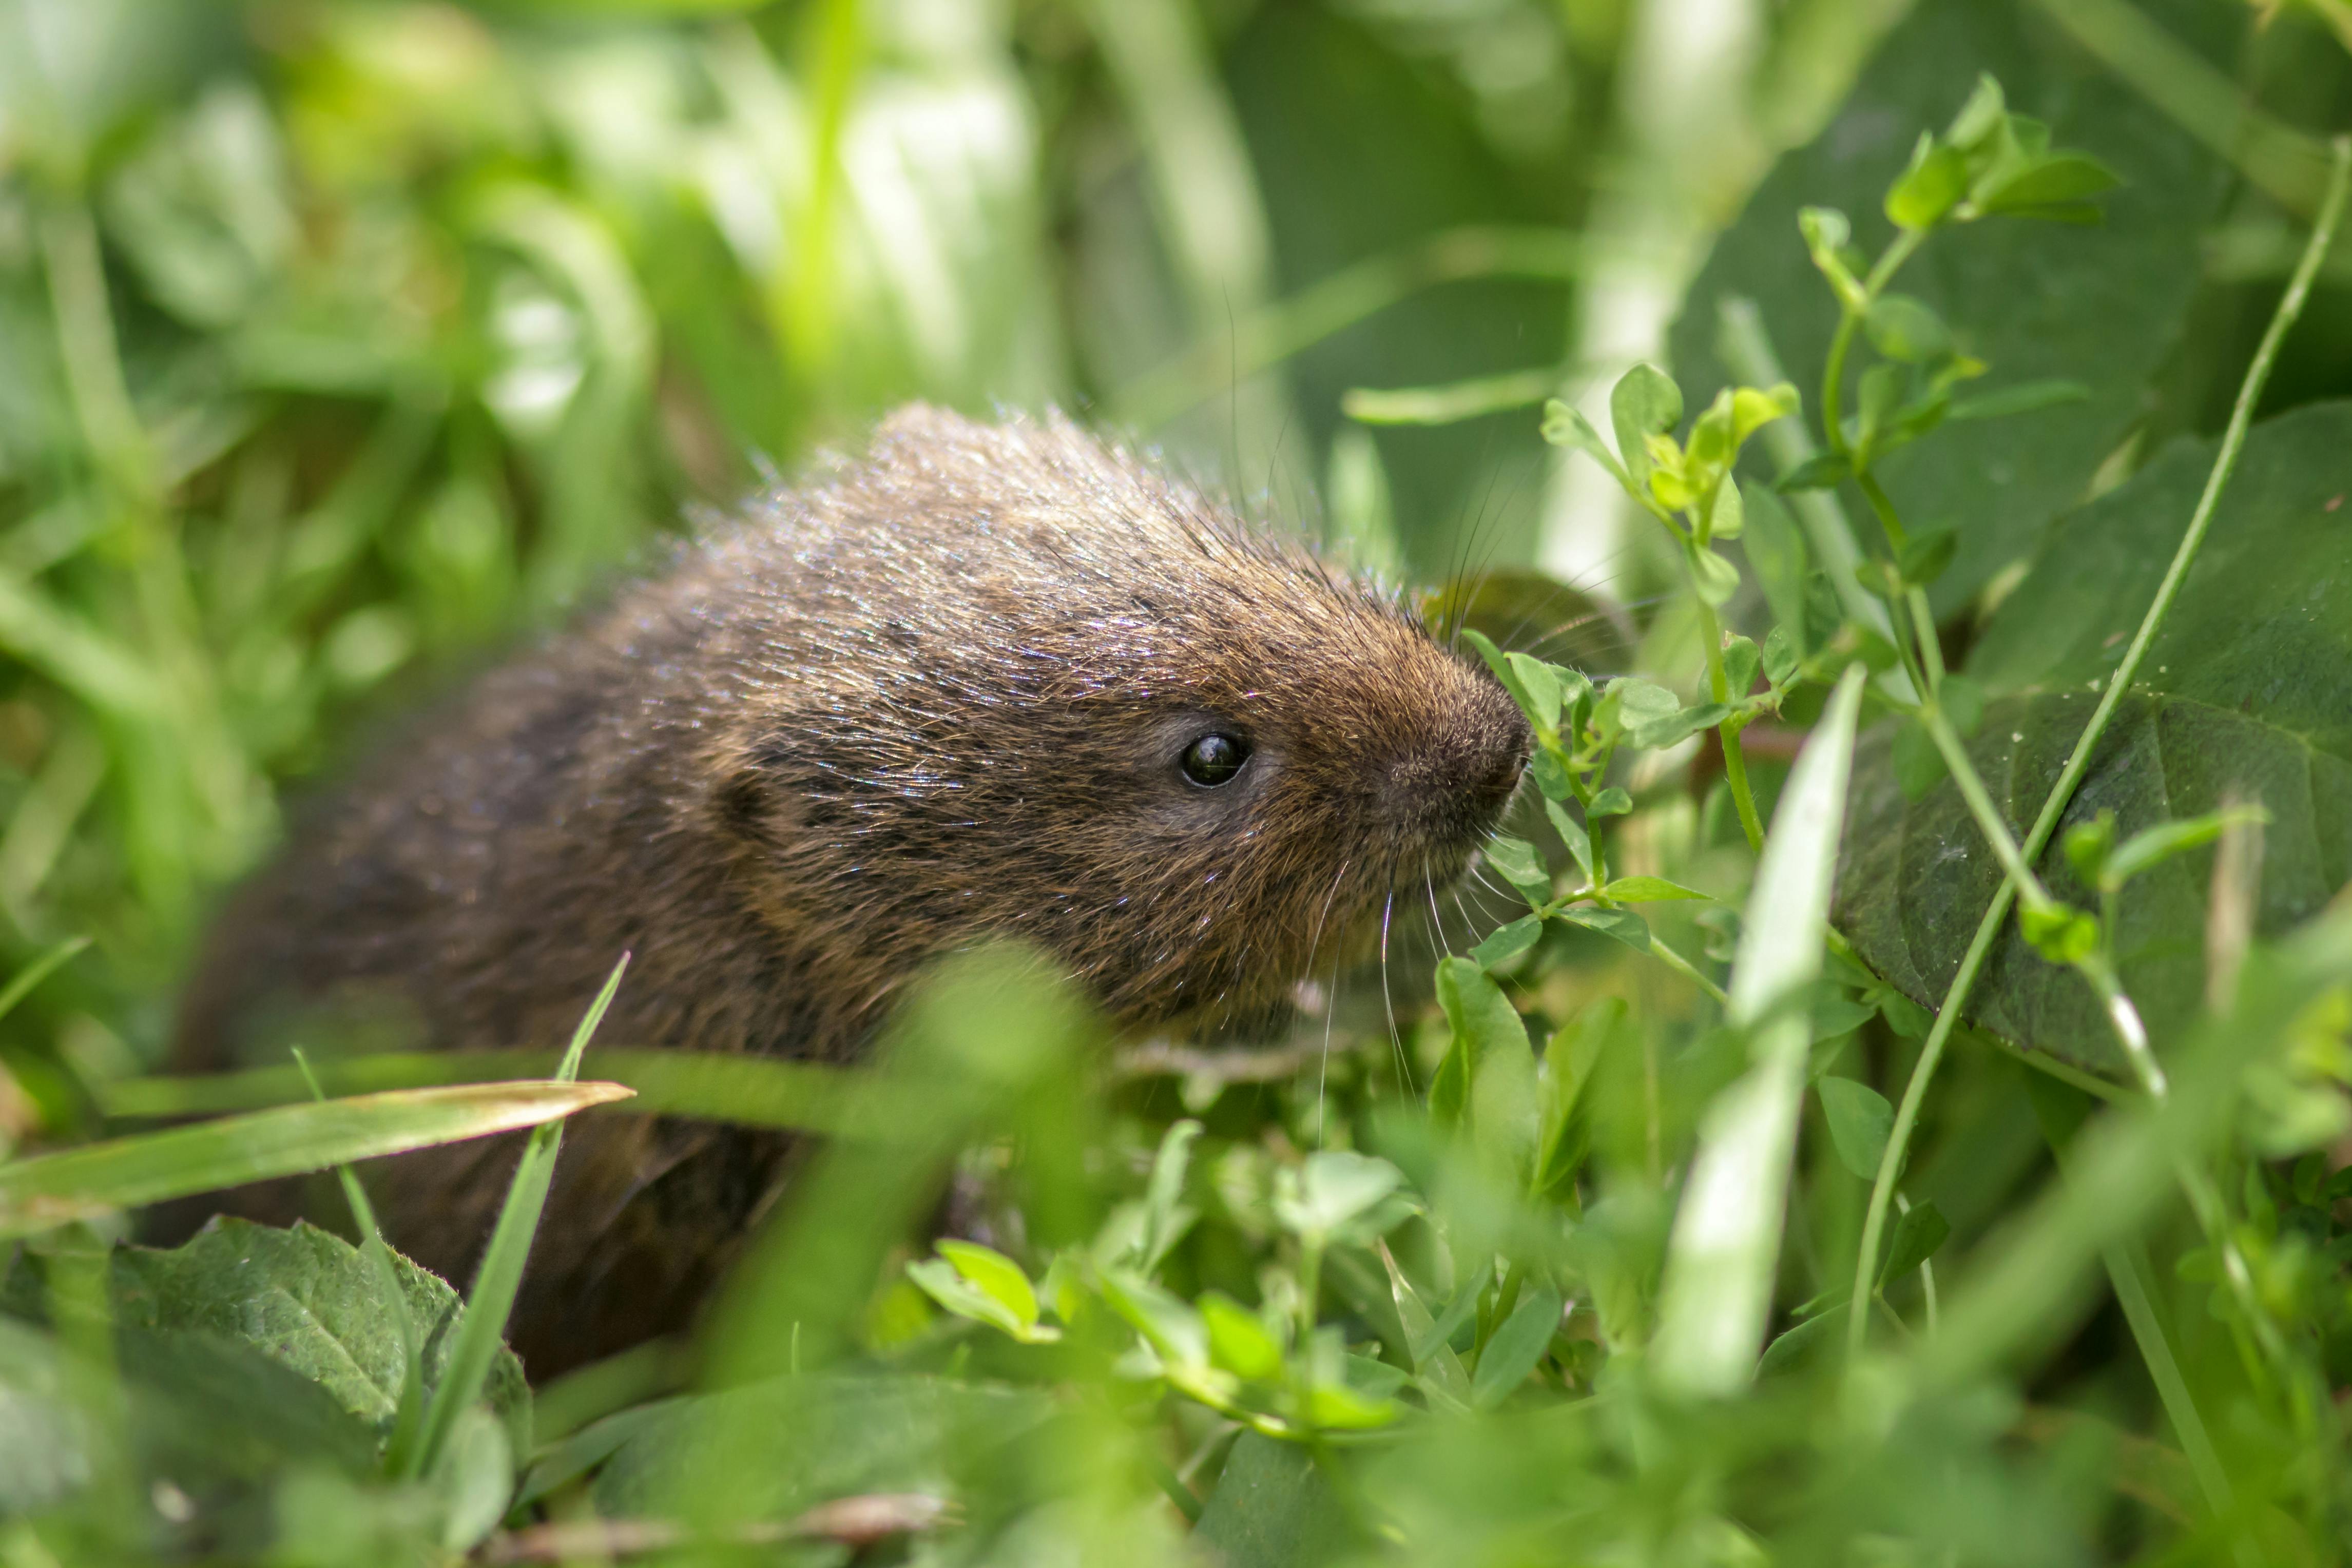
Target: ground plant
[(1885, 1095)]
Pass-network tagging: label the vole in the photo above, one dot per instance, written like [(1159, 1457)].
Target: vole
[(986, 680)]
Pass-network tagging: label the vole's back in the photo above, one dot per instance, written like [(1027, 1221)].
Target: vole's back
[(990, 680)]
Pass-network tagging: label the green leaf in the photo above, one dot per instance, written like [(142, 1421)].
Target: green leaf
[(2102, 308), (1565, 425), (1860, 1122), (1666, 730), (994, 1275), (1273, 1509), (311, 1301), (1925, 556), (1726, 1239), (1827, 233), (1516, 1346), (1570, 1060), (1781, 655), (1612, 801), (1573, 834), (1740, 660), (1338, 1187), (2151, 847), (1917, 1234), (1963, 701), (1648, 890), (1238, 1340), (1520, 866), (94, 1179), (2060, 185), (1930, 188), (1717, 578), (2060, 932), (1644, 403), (1508, 942), (2246, 692), (2088, 845), (1542, 688), (1622, 924), (1481, 1017)]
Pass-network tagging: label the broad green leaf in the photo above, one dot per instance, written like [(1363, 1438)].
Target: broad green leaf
[(2247, 689), (1273, 1509), (1783, 566), (149, 1168), (1927, 556), (2101, 306), (1517, 1344), (1726, 1239), (1860, 1120), (1613, 801), (1674, 727), (309, 1301)]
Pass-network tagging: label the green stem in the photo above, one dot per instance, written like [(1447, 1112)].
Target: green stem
[(2225, 462), (1689, 971), (1735, 764)]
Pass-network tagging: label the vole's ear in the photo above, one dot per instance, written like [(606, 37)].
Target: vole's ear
[(752, 801)]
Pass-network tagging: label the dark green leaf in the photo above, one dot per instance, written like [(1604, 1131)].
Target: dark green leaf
[(1516, 1346), (1917, 1234), (1272, 1509), (2029, 397), (1925, 556), (309, 1301), (1822, 471), (1860, 1120), (1520, 866), (2247, 691)]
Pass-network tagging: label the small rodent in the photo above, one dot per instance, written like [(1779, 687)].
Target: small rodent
[(989, 679)]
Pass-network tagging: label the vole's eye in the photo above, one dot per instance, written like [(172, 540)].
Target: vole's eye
[(1214, 760)]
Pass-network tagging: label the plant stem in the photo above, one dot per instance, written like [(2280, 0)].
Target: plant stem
[(1734, 765), (1689, 971), (2225, 462)]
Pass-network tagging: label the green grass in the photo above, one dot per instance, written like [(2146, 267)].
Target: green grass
[(1882, 1097)]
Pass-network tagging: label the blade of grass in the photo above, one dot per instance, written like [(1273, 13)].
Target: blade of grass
[(411, 1407), (2225, 462), (21, 984), (484, 1321), (750, 1091), (1727, 1236), (49, 1190)]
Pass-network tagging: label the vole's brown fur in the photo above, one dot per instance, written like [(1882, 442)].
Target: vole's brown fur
[(939, 695)]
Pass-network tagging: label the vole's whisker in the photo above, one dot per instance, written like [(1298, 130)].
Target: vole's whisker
[(1388, 1001), (1436, 922)]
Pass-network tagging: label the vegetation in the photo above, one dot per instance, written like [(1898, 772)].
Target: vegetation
[(1883, 1099)]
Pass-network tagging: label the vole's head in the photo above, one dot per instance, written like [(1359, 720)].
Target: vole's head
[(1057, 696)]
